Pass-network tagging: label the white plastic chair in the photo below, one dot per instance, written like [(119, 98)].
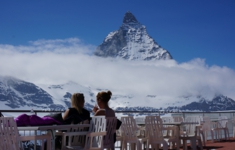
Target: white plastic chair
[(76, 140), (155, 136), (11, 139), (178, 119), (94, 137), (171, 132), (221, 125), (207, 127), (167, 120), (192, 131), (128, 131)]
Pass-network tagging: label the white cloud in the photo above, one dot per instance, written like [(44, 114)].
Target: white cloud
[(59, 61)]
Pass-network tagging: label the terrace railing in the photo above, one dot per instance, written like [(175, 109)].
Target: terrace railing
[(211, 114)]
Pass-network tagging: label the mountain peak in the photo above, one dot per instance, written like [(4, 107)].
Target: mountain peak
[(131, 42), (129, 18)]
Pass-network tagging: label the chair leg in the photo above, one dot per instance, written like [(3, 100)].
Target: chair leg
[(157, 146), (178, 144), (212, 136), (200, 144), (185, 144), (225, 134), (138, 146), (121, 144), (217, 135), (206, 135), (165, 145), (228, 133), (124, 145), (147, 145), (234, 131), (133, 146), (193, 144), (203, 138)]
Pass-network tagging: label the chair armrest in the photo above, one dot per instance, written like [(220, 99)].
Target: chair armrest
[(75, 133), (36, 137), (92, 134)]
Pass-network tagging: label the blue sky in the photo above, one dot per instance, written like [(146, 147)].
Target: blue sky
[(187, 29), (51, 42)]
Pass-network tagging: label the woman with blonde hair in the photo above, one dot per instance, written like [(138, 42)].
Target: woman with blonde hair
[(76, 113)]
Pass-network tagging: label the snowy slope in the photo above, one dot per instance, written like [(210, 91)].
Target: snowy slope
[(62, 93), (18, 94)]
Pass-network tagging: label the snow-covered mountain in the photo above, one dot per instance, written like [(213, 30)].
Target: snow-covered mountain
[(18, 94), (131, 42)]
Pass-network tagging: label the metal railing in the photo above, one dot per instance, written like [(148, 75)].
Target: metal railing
[(184, 114), (134, 113)]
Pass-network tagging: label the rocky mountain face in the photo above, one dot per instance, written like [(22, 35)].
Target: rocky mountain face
[(18, 94), (219, 102), (131, 42)]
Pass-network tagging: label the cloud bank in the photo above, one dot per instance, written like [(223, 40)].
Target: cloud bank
[(62, 60)]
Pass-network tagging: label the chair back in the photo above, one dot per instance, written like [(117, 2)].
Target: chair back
[(128, 128), (9, 134), (206, 126), (154, 127), (78, 139), (178, 119), (191, 125), (167, 119), (222, 123), (111, 123), (97, 124), (140, 120)]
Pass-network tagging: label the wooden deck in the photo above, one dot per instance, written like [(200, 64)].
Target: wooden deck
[(219, 145)]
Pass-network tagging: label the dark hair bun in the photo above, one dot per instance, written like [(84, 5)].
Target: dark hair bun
[(109, 93)]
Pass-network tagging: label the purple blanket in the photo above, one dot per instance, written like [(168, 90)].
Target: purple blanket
[(34, 120)]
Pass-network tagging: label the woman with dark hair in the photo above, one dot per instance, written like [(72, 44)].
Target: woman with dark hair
[(102, 100), (76, 113), (103, 109)]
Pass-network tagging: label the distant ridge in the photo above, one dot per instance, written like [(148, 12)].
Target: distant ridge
[(19, 94)]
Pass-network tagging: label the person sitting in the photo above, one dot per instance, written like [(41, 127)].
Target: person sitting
[(103, 108), (76, 113)]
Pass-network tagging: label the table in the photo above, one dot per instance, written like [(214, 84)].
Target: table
[(52, 129)]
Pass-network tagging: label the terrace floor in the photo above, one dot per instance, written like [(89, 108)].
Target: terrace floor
[(218, 145)]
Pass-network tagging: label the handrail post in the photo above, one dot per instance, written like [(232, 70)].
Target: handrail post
[(183, 115)]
